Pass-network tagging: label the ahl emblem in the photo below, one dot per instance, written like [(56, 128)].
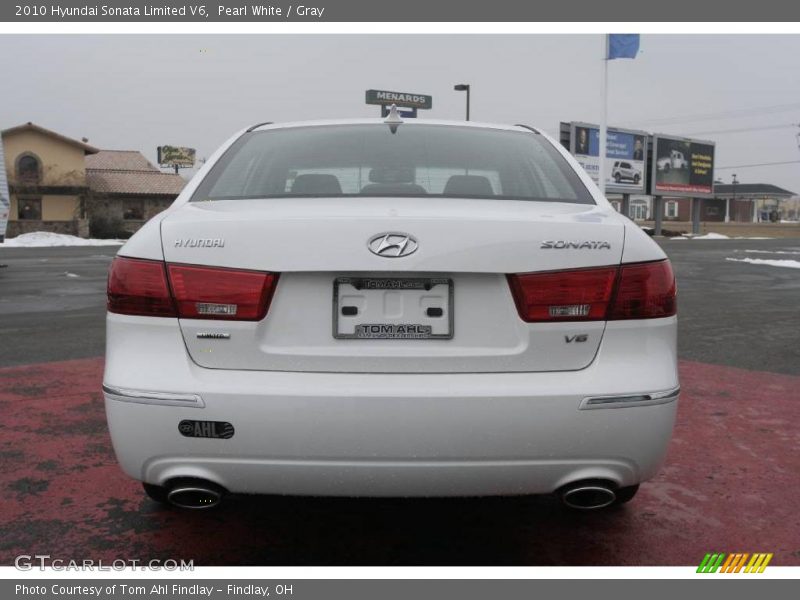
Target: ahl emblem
[(578, 245), (392, 244)]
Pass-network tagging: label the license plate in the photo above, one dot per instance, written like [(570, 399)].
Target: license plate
[(380, 308)]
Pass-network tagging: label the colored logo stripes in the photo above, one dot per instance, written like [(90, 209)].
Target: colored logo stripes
[(734, 563)]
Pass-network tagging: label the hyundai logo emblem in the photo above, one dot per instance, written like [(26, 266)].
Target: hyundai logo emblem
[(392, 244)]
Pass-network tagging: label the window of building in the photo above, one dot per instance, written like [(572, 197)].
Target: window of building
[(133, 210), (671, 209), (29, 209), (28, 169), (638, 211)]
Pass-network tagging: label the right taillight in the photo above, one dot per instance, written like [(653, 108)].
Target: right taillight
[(633, 291), (645, 291)]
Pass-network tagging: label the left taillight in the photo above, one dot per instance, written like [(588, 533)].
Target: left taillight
[(153, 288), (218, 293), (139, 287)]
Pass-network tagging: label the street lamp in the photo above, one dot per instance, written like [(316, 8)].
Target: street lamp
[(734, 182), (463, 87)]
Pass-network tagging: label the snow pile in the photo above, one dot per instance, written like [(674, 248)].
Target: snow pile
[(711, 236), (46, 239), (789, 264)]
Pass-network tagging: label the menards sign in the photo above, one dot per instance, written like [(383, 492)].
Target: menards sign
[(403, 99)]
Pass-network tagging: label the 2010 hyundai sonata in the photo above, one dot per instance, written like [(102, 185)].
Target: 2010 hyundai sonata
[(388, 308)]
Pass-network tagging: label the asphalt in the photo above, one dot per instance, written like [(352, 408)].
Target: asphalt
[(52, 303), (729, 483)]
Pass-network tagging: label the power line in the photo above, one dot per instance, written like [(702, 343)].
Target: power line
[(768, 164), (745, 129), (729, 114)]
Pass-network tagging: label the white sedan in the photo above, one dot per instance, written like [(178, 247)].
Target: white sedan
[(386, 308)]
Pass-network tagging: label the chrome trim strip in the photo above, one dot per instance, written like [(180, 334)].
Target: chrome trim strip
[(629, 400), (146, 397)]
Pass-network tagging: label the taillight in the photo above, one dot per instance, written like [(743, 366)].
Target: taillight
[(645, 291), (155, 289), (635, 291), (577, 295), (218, 293), (139, 287)]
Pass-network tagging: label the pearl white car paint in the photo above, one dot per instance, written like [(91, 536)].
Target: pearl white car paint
[(499, 409)]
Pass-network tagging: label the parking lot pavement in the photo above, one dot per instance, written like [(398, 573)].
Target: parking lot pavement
[(729, 483), (736, 313), (52, 303)]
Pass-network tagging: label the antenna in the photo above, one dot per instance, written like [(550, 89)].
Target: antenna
[(393, 120)]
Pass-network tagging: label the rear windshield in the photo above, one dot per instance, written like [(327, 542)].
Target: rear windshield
[(415, 160)]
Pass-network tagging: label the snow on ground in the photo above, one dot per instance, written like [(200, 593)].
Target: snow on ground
[(707, 236), (46, 239), (717, 236), (772, 251), (790, 264)]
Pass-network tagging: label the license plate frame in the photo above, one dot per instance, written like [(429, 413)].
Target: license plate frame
[(396, 330)]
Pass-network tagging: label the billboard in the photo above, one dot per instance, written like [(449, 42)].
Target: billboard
[(176, 156), (626, 151), (5, 201), (682, 167)]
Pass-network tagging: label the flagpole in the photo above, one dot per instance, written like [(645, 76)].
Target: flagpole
[(601, 178)]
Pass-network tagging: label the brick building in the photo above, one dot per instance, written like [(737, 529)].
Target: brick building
[(64, 185), (125, 190)]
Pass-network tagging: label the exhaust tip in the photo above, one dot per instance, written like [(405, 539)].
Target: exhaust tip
[(196, 495), (588, 496)]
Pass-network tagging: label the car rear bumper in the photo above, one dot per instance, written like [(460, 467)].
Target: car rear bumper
[(391, 434)]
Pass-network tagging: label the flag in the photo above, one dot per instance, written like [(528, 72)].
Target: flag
[(623, 45)]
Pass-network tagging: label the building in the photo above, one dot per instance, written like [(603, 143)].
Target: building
[(46, 179), (749, 202), (735, 203), (63, 185), (125, 190)]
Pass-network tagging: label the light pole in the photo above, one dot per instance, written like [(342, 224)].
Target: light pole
[(463, 87), (734, 182)]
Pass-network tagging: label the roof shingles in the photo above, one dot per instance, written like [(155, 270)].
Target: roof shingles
[(127, 172)]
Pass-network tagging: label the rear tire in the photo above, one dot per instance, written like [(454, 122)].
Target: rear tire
[(625, 494), (155, 492)]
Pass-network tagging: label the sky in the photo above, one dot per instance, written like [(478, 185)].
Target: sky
[(136, 92)]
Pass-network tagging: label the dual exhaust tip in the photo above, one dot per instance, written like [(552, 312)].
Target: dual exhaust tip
[(198, 494), (194, 494), (588, 495)]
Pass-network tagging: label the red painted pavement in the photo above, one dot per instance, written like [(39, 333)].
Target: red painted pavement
[(730, 483)]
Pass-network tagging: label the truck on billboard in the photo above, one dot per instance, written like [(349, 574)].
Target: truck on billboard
[(5, 198), (682, 167), (626, 151)]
